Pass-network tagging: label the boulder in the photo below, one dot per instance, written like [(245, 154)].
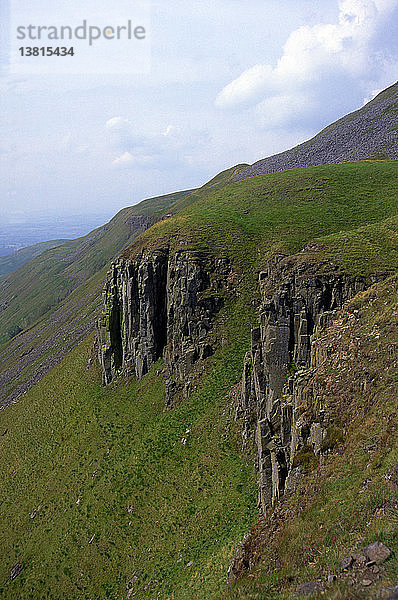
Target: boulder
[(377, 552)]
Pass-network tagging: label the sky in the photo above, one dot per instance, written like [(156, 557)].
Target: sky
[(230, 81)]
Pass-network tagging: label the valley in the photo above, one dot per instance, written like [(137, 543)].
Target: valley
[(201, 402)]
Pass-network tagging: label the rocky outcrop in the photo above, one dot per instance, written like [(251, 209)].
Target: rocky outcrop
[(132, 330), (277, 403), (196, 289), (139, 223), (161, 305)]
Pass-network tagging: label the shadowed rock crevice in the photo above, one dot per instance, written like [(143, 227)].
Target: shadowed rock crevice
[(114, 327)]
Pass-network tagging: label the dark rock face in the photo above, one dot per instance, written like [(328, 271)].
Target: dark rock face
[(276, 403), (368, 132), (195, 293), (141, 306), (132, 330), (140, 222), (161, 305)]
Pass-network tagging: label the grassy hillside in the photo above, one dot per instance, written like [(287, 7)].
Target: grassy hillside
[(56, 299), (137, 502), (39, 285), (219, 181), (13, 261), (110, 463), (281, 212)]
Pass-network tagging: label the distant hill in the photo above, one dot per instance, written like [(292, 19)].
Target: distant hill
[(368, 133), (12, 262), (45, 296)]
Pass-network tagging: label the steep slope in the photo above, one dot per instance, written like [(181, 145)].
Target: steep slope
[(371, 132), (26, 358), (105, 494), (12, 262), (42, 283), (61, 291)]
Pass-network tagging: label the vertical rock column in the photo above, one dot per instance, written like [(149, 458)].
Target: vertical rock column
[(144, 311), (298, 299), (110, 351), (161, 304), (132, 330), (195, 287)]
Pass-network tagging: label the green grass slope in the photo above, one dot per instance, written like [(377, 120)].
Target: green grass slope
[(250, 219), (217, 182), (26, 358), (56, 299), (12, 262), (40, 284), (128, 509), (110, 463)]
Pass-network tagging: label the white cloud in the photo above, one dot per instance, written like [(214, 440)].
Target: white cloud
[(164, 149), (124, 159), (127, 159), (122, 135), (169, 130), (276, 111), (118, 123), (373, 94), (314, 60), (248, 87)]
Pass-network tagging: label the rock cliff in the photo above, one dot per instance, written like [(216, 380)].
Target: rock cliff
[(161, 304), (277, 403)]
